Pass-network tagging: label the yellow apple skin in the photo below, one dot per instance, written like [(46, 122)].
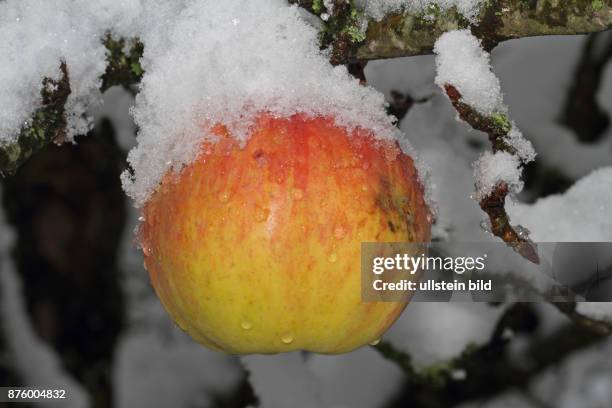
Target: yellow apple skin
[(256, 248)]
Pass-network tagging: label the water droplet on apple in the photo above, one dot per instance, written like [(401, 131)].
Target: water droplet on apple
[(246, 325), (364, 188), (375, 342), (146, 250), (332, 257), (366, 166), (297, 194), (287, 338), (224, 197)]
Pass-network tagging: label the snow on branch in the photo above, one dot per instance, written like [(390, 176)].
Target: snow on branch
[(48, 123), (374, 29), (353, 30), (465, 75)]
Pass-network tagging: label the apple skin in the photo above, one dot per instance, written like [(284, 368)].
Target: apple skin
[(256, 248)]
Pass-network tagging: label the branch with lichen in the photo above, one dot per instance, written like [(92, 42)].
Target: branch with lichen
[(493, 204), (48, 123), (406, 34), (351, 37)]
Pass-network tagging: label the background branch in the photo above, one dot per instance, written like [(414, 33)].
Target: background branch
[(401, 35)]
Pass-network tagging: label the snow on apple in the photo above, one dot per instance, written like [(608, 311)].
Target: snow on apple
[(234, 60)]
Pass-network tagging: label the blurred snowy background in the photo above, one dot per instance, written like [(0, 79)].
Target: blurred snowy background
[(77, 309)]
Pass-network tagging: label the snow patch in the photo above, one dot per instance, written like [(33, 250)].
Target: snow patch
[(600, 311), (377, 9), (582, 214), (287, 373), (492, 169), (462, 63)]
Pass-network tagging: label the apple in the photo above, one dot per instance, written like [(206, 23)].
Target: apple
[(255, 248)]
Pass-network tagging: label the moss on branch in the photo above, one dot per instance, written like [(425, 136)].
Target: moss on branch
[(396, 35), (399, 35), (48, 123), (123, 57)]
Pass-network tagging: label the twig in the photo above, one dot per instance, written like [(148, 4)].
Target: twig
[(493, 204)]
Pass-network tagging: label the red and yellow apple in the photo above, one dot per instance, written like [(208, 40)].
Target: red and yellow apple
[(256, 248)]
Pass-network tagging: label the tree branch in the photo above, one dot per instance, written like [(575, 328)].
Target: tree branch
[(400, 35), (481, 371), (48, 123), (493, 204), (396, 35)]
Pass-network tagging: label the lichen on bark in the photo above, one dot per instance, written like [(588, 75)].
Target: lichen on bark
[(406, 34), (48, 123)]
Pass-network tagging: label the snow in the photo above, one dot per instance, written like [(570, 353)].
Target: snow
[(492, 169), (347, 380), (324, 381), (434, 332), (377, 9), (585, 379), (463, 63), (286, 372), (153, 371), (581, 214), (235, 59), (36, 36), (600, 311), (523, 147)]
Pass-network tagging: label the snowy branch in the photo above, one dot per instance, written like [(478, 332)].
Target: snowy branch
[(465, 75), (400, 34), (48, 123), (493, 203), (352, 35)]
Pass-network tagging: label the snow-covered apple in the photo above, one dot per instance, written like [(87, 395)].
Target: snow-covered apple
[(255, 247)]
